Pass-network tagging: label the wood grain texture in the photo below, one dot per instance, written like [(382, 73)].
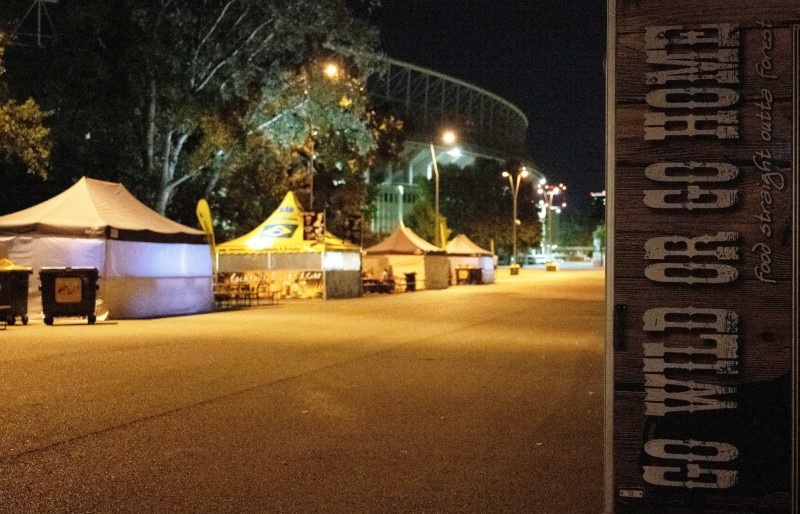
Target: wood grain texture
[(632, 15), (765, 336), (632, 149), (633, 66)]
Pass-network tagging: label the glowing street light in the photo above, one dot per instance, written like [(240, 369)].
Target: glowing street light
[(448, 138), (523, 173), (331, 70), (548, 205)]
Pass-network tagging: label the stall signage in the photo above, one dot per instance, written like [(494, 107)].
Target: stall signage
[(314, 226), (704, 113), (353, 228)]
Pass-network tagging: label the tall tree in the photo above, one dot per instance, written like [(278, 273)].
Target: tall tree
[(207, 66), (478, 202), (22, 130)]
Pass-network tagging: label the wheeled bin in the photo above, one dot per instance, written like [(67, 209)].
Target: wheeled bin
[(68, 292), (14, 293), (411, 282)]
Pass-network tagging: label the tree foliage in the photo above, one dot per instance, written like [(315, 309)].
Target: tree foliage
[(23, 133), (213, 69), (171, 96), (477, 201)]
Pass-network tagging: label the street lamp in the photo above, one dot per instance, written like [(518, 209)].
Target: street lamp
[(331, 70), (523, 172), (547, 206), (448, 137)]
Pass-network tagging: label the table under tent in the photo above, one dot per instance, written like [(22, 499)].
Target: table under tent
[(149, 266), (469, 263), (275, 260), (402, 253)]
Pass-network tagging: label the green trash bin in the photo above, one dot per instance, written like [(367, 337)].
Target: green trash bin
[(14, 294), (68, 292)]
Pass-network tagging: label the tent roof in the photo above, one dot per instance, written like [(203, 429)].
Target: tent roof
[(282, 232), (462, 245), (95, 208), (403, 241)]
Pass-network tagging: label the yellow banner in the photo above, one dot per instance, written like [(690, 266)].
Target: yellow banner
[(206, 224)]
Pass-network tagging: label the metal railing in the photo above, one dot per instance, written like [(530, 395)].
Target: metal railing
[(427, 101)]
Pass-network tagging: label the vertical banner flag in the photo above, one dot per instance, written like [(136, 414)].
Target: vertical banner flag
[(703, 111), (207, 225), (352, 229)]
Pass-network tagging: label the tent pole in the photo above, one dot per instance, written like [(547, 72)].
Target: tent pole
[(324, 276)]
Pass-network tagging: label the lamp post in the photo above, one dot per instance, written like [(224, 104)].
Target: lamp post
[(523, 172), (547, 207), (331, 71), (448, 138), (400, 189), (310, 169)]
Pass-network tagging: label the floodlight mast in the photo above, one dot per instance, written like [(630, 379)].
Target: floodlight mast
[(38, 9)]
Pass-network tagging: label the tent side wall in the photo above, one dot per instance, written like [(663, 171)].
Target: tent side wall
[(457, 261), (39, 251), (487, 265), (342, 274), (151, 280), (343, 284), (432, 271), (400, 264), (437, 272), (270, 261), (342, 269), (156, 297), (137, 280)]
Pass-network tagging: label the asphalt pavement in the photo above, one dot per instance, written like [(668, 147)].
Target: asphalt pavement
[(471, 399)]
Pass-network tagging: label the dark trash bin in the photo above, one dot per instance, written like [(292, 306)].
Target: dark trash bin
[(68, 292), (14, 294), (411, 282), (475, 276)]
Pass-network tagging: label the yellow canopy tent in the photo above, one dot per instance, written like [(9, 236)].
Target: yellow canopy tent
[(276, 252), (282, 232)]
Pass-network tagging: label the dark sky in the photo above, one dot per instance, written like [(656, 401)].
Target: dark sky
[(544, 56)]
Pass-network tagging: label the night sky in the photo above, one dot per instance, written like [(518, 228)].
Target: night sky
[(544, 56)]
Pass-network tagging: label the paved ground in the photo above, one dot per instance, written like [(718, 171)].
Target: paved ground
[(472, 399)]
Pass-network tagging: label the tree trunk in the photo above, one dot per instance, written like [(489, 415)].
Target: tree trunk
[(150, 130), (212, 182), (170, 162)]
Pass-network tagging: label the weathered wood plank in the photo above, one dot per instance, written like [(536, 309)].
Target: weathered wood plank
[(632, 148), (741, 111), (632, 15), (633, 68)]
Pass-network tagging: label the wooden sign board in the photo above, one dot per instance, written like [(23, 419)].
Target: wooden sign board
[(703, 137)]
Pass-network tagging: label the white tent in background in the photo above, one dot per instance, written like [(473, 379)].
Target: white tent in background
[(149, 266), (462, 252), (405, 252)]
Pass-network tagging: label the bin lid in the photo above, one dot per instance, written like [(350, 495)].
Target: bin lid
[(7, 265)]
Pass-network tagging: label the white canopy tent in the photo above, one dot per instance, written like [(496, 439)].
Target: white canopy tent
[(404, 252), (149, 266), (463, 252)]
